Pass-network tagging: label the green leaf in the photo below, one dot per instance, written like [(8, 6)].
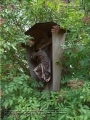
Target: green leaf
[(11, 102), (58, 62), (62, 117), (14, 47), (6, 103), (25, 89), (6, 91), (20, 82)]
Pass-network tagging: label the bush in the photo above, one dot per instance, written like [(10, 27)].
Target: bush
[(21, 96)]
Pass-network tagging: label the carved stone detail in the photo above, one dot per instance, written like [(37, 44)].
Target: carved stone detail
[(43, 70)]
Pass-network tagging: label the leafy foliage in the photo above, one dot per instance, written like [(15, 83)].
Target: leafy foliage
[(19, 93)]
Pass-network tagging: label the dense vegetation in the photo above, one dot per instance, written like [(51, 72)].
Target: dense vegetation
[(20, 96)]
